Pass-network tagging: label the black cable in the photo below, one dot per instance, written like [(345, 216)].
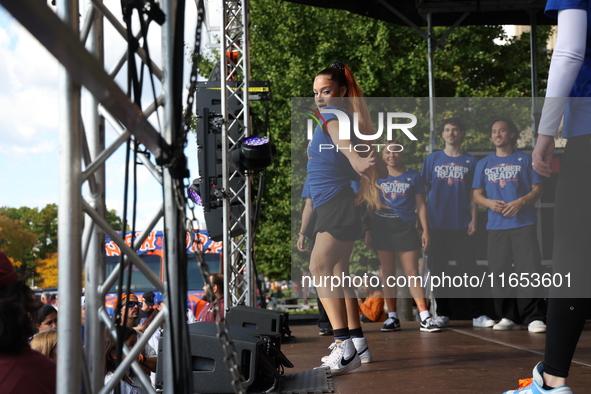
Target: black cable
[(256, 215), (144, 29), (133, 89), (120, 339)]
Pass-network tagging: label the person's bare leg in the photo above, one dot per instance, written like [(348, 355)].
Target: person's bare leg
[(553, 381), (327, 253), (410, 263), (352, 306), (388, 262)]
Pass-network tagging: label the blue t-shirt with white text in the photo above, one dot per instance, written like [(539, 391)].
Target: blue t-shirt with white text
[(399, 194), (449, 180), (507, 179)]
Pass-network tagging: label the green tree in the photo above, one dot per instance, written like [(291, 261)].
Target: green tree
[(42, 225), (18, 243), (30, 236), (290, 43), (114, 220)]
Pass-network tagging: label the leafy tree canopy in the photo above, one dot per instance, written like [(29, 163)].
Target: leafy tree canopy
[(30, 237)]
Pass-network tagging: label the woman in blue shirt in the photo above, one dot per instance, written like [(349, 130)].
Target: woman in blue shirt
[(338, 218), (393, 232)]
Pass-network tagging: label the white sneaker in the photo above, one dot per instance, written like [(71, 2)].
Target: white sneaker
[(483, 321), (536, 326), (428, 325), (391, 324), (362, 349), (441, 321), (506, 325), (342, 359)]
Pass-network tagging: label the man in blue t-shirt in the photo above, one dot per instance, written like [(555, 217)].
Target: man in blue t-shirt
[(506, 184), (448, 176)]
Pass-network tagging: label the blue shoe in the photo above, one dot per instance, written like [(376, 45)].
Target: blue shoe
[(534, 385)]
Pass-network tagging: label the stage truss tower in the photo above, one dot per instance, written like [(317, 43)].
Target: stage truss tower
[(239, 270)]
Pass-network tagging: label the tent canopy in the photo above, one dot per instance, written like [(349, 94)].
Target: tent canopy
[(443, 12)]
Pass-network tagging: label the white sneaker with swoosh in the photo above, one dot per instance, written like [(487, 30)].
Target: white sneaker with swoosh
[(343, 358)]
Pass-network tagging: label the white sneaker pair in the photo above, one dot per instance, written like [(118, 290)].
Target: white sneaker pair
[(343, 358), (362, 349), (507, 324)]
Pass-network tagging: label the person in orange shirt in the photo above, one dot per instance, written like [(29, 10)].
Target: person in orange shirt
[(372, 308)]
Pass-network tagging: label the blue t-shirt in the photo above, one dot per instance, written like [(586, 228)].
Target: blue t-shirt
[(450, 182), (306, 189), (577, 114), (399, 194), (507, 179), (329, 171)]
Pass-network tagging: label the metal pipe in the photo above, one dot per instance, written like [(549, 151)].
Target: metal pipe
[(248, 245), (128, 252), (431, 65), (123, 32), (69, 220), (95, 259), (225, 147), (533, 43)]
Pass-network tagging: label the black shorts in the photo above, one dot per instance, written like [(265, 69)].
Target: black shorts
[(393, 233), (340, 217)]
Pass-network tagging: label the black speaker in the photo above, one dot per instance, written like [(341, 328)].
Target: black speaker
[(247, 316), (260, 319), (257, 353)]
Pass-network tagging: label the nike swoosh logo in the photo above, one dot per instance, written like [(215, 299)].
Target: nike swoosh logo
[(346, 362)]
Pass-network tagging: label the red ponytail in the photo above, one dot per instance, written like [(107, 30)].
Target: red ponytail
[(341, 74)]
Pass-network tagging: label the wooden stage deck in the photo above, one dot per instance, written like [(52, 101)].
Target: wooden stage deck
[(460, 359)]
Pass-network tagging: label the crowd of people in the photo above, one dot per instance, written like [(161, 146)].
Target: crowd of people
[(29, 340)]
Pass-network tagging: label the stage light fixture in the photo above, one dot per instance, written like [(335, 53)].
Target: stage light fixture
[(195, 192), (253, 153)]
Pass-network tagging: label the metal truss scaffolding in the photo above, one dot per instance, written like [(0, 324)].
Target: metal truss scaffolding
[(235, 75), (89, 95)]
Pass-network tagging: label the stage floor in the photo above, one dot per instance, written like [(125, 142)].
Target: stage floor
[(460, 359)]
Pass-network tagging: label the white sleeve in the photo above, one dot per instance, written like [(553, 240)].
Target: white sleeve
[(565, 65), (191, 317)]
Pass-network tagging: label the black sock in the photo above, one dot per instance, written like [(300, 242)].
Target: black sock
[(341, 334), (546, 387), (356, 333)]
